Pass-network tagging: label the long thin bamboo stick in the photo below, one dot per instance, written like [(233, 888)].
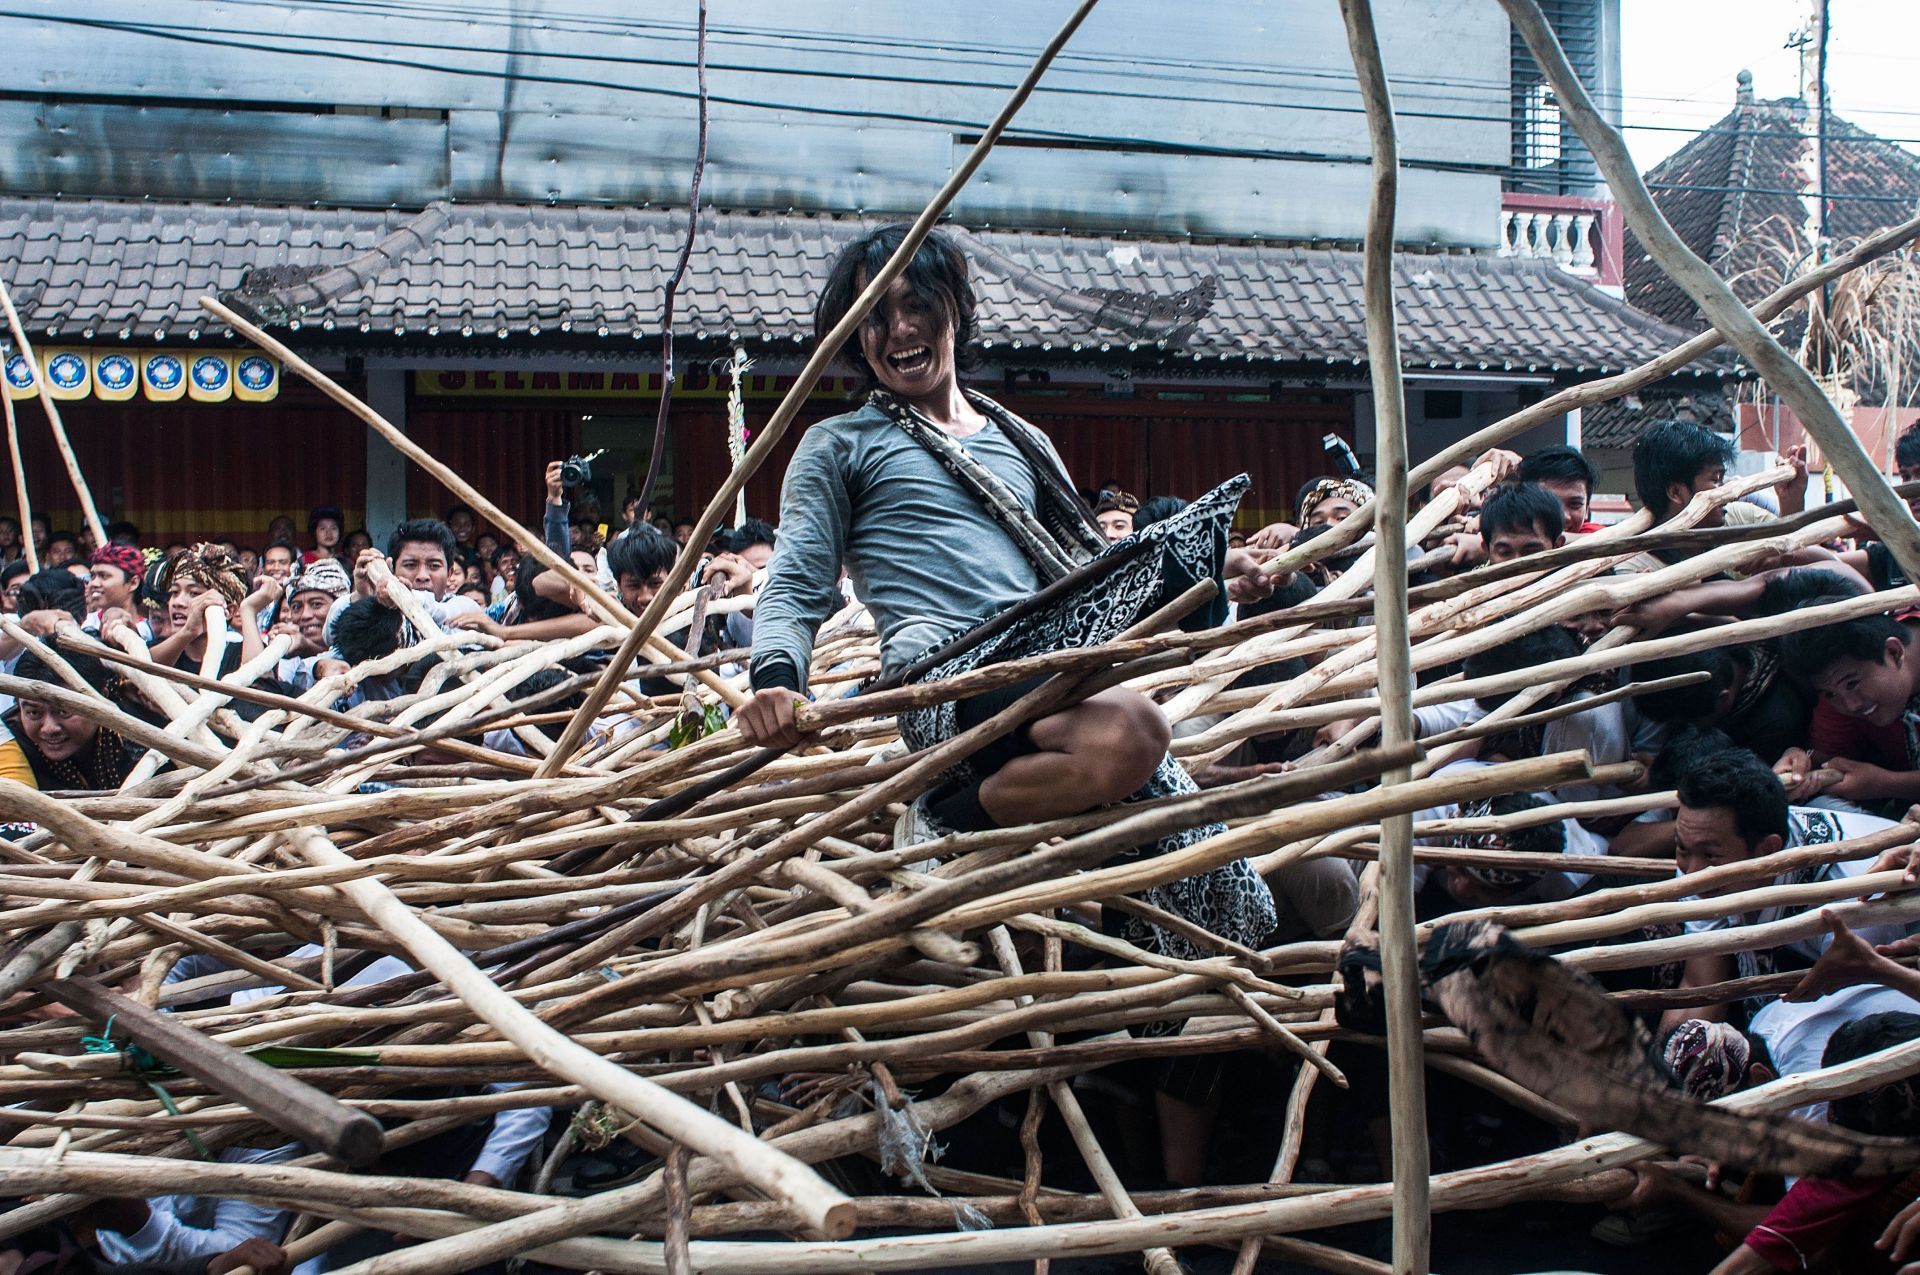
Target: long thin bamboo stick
[(1399, 957), (60, 440), (19, 481)]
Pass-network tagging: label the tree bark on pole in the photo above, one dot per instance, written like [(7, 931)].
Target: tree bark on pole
[(1884, 511), (1399, 953)]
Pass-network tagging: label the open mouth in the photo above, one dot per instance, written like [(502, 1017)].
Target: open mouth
[(911, 362)]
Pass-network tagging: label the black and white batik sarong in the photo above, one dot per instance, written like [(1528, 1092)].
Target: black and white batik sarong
[(1231, 900)]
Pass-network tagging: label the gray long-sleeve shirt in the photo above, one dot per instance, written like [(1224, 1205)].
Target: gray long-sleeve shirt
[(926, 559)]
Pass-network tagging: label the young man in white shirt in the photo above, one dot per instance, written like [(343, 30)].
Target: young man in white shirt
[(1733, 809)]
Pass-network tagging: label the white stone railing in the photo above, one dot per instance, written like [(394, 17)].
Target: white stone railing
[(1565, 238)]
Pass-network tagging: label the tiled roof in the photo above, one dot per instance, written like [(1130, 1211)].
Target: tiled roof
[(1616, 424), (102, 271), (1734, 195)]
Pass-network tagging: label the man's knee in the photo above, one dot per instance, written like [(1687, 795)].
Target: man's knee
[(1123, 735)]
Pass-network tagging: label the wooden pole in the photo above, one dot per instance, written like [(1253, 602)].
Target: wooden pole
[(278, 1097), (20, 481), (1885, 512), (1158, 1261), (1399, 954), (813, 1201), (824, 353), (80, 487)]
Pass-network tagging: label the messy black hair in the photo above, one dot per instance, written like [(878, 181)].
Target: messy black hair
[(1685, 749), (1545, 838), (366, 630), (1558, 464), (1671, 452), (422, 531), (1811, 652), (1692, 703), (641, 553), (937, 278), (754, 531), (1892, 1110), (1906, 449), (1801, 585), (31, 668), (54, 589), (1522, 507), (1156, 508), (1542, 646), (1740, 782)]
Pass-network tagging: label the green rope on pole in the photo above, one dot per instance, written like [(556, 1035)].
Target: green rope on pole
[(145, 1067)]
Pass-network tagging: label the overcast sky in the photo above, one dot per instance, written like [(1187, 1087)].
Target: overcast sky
[(1679, 60)]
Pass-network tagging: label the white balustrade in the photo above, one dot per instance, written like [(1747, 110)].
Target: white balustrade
[(1564, 238)]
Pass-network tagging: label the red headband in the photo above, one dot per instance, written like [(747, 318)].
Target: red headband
[(126, 557)]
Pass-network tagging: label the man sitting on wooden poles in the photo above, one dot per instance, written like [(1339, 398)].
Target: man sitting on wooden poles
[(946, 508)]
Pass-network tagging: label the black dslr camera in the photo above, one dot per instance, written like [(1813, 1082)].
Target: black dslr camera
[(577, 471)]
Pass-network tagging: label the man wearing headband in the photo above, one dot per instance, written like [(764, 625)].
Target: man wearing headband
[(113, 588), (1482, 884), (1326, 501), (303, 619), (1114, 513), (195, 581), (1823, 1223)]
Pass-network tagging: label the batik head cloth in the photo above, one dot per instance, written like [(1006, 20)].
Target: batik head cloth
[(1709, 1060), (1333, 489), (206, 566), (129, 559)]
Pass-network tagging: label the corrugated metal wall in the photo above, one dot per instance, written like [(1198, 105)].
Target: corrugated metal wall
[(182, 470), (503, 451)]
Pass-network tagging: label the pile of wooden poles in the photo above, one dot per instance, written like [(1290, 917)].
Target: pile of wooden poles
[(633, 939), (642, 934), (610, 947)]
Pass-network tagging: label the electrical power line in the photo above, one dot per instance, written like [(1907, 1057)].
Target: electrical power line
[(207, 36), (989, 54)]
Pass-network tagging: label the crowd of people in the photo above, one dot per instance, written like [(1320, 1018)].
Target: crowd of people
[(934, 507)]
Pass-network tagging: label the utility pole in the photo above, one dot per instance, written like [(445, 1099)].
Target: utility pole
[(1822, 244)]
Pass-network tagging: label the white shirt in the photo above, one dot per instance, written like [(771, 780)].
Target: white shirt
[(1807, 826), (515, 1131), (1603, 733), (198, 1228), (439, 611), (1796, 1032), (92, 625), (295, 672)]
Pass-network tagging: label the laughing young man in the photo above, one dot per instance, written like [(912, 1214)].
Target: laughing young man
[(946, 509), (1865, 734)]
